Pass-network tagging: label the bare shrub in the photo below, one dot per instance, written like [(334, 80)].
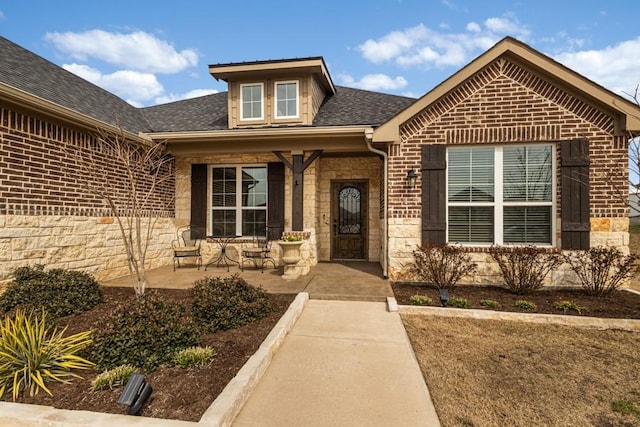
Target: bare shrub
[(524, 268), (441, 265), (602, 270)]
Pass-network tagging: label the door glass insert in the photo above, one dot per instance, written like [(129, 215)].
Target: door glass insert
[(350, 212)]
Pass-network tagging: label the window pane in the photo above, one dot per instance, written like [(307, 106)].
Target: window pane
[(254, 186), (223, 187), (470, 224), (286, 99), (529, 224), (251, 101), (527, 173), (254, 222), (223, 222), (470, 174)]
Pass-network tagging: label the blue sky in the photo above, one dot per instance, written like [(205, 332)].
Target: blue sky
[(149, 52)]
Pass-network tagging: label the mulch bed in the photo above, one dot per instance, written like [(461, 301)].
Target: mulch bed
[(181, 394), (619, 304)]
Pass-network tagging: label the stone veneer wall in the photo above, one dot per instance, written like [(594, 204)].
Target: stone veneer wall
[(504, 103), (336, 168), (46, 218)]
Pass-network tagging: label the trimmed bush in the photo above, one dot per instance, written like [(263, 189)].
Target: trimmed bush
[(59, 292), (441, 265), (144, 332), (459, 302), (602, 270), (33, 353), (225, 303), (524, 268)]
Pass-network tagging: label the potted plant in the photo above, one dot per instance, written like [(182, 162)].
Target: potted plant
[(290, 244)]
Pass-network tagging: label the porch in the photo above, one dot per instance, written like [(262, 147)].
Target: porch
[(350, 281)]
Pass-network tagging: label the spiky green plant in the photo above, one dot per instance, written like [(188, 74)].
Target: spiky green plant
[(33, 353), (193, 356), (116, 377)]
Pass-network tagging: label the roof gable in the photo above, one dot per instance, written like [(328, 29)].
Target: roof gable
[(627, 113)]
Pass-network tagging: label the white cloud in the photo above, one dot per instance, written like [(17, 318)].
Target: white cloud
[(374, 82), (473, 27), (177, 97), (131, 85), (423, 46), (614, 67), (2, 16), (137, 50)]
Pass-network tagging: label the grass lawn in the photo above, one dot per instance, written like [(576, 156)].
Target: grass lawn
[(498, 373)]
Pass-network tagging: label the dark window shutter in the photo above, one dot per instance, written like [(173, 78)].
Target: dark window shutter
[(574, 203), (275, 214), (434, 186), (199, 196)]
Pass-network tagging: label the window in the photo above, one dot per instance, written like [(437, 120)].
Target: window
[(500, 195), (286, 99), (238, 200), (251, 101)]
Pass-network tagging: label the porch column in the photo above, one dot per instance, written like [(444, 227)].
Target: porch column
[(297, 194)]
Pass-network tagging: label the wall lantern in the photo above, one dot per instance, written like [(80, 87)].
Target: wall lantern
[(412, 177)]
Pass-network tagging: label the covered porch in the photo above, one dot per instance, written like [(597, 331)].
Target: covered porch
[(350, 281)]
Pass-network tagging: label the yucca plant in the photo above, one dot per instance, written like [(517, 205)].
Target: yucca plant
[(33, 353)]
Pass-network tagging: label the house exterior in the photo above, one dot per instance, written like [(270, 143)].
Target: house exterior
[(512, 149)]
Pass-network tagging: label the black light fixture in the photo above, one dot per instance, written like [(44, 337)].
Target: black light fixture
[(135, 394), (412, 177), (444, 297)]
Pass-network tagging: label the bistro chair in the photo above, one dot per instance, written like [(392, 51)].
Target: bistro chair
[(258, 252), (187, 245)]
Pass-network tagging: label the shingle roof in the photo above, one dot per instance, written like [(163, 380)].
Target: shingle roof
[(31, 73), (207, 112), (359, 107)]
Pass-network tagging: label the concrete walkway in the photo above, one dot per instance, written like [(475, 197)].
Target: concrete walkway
[(344, 363)]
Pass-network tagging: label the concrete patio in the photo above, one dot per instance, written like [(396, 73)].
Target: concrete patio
[(349, 281)]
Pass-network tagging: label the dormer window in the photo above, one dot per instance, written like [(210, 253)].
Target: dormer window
[(251, 107), (286, 104)]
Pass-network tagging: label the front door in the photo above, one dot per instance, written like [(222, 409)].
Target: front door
[(349, 220)]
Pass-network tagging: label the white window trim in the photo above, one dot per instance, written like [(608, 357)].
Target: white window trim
[(238, 208), (261, 102), (275, 95), (498, 204)]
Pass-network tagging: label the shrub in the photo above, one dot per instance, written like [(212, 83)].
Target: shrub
[(193, 356), (441, 265), (525, 305), (225, 303), (116, 377), (59, 292), (489, 303), (143, 332), (602, 270), (524, 268), (568, 306), (459, 302), (420, 300), (33, 353)]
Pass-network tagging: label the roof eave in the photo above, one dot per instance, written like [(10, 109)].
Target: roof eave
[(32, 102)]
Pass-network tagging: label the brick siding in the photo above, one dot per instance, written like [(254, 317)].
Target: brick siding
[(504, 103), (37, 176)]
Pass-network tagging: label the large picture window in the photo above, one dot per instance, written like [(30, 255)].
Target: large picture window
[(286, 99), (238, 200), (501, 195), (251, 101)]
